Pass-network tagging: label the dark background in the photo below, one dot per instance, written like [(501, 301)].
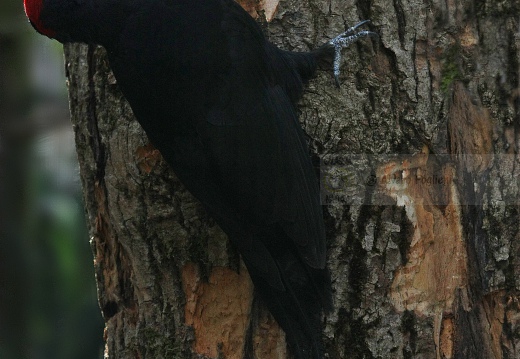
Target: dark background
[(48, 306)]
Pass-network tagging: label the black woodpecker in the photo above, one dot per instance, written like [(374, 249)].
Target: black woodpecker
[(218, 101)]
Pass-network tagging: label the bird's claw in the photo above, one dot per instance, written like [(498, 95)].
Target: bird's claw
[(344, 40)]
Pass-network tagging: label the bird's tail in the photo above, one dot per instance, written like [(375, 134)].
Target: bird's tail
[(298, 306)]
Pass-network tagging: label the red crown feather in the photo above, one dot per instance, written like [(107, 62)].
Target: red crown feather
[(33, 10)]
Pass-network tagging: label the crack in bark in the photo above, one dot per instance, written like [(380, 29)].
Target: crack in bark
[(98, 148), (401, 21)]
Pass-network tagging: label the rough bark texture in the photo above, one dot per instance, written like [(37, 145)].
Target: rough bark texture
[(422, 222)]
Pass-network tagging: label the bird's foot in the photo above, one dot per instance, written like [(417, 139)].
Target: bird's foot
[(344, 40)]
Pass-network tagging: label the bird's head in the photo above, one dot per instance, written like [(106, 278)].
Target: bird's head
[(87, 21), (33, 10)]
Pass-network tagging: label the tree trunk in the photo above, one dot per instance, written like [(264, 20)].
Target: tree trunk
[(418, 163)]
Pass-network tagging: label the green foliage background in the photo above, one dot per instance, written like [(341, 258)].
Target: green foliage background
[(48, 306)]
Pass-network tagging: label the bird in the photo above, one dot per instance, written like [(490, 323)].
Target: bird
[(218, 100)]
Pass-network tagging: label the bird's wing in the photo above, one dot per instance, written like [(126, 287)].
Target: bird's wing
[(212, 105), (254, 137)]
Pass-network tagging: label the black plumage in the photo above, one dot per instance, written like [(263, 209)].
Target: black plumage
[(218, 101)]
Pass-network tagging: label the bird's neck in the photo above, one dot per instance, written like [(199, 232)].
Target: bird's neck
[(89, 21)]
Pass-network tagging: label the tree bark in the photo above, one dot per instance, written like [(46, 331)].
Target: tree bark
[(418, 158)]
